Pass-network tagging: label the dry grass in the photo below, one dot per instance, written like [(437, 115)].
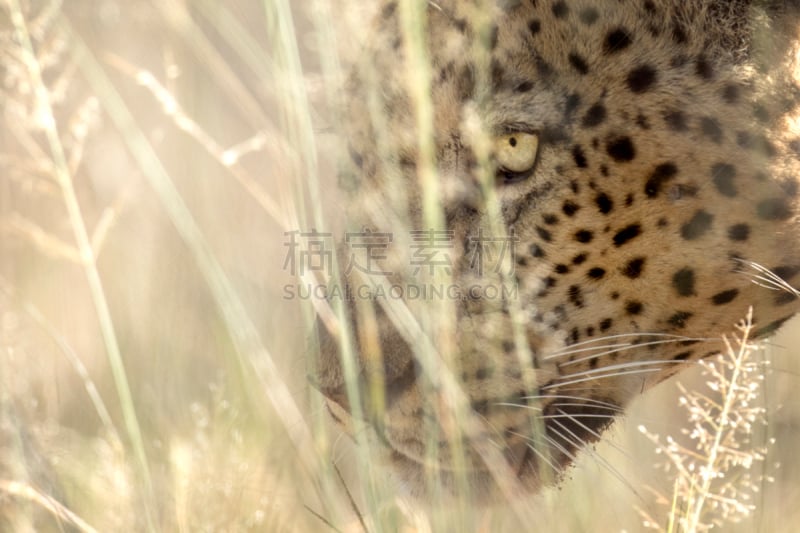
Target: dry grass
[(152, 376)]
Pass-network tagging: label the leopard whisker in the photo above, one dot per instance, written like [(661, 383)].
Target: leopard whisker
[(770, 279), (597, 435), (557, 445), (623, 366), (624, 348), (591, 378), (597, 457), (579, 444), (531, 444), (582, 399), (622, 336), (609, 407)]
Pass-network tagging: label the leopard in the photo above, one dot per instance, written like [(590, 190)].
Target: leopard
[(639, 158)]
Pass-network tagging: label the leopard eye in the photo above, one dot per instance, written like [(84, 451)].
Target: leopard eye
[(516, 155)]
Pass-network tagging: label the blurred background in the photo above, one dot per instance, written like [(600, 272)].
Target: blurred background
[(152, 371)]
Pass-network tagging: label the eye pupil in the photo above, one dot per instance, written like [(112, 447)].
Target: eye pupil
[(512, 141)]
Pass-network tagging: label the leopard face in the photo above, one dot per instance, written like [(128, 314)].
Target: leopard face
[(642, 155)]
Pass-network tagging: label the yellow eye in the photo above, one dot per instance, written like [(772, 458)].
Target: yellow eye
[(516, 152)]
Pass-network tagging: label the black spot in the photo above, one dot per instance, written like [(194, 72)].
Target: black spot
[(786, 272), (703, 68), (730, 93), (711, 129), (724, 297), (604, 203), (626, 234), (774, 209), (573, 101), (739, 232), (544, 234), (621, 149), (679, 61), (761, 113), (584, 236), (579, 156), (662, 174), (524, 87), (678, 32), (606, 324), (676, 120), (550, 219), (641, 79), (560, 9), (596, 273), (498, 74), (699, 224), (536, 251), (679, 319), (579, 259), (466, 83), (575, 295), (649, 7), (578, 63), (683, 282), (588, 16), (682, 356), (784, 298), (633, 307), (570, 208), (447, 72), (389, 10), (616, 41), (561, 269), (594, 115), (356, 157), (534, 26), (634, 268), (744, 139), (480, 406), (723, 174), (790, 187)]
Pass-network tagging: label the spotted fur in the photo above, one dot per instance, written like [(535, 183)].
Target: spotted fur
[(666, 175)]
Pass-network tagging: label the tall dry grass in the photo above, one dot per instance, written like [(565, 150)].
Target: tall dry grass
[(152, 375)]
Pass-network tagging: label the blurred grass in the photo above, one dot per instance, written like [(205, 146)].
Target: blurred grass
[(193, 136)]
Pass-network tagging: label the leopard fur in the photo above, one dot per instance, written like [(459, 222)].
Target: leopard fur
[(665, 175)]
